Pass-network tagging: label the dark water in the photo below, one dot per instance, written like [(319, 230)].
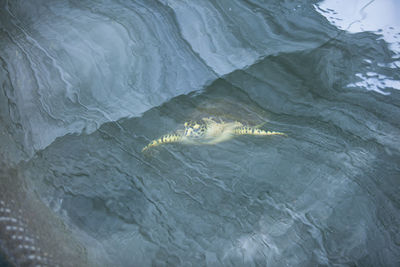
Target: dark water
[(86, 85)]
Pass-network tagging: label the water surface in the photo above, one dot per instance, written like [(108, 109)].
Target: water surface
[(85, 86)]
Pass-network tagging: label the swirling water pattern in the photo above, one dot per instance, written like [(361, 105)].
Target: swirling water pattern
[(86, 85)]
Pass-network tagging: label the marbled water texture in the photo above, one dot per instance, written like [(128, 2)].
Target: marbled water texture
[(85, 85)]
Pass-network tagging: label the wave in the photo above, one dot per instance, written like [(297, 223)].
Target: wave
[(72, 66)]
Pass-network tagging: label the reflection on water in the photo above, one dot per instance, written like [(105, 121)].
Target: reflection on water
[(326, 194), (379, 17)]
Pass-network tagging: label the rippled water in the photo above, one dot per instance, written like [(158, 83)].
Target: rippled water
[(86, 85)]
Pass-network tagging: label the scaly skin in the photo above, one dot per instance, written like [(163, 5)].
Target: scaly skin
[(254, 131), (165, 139), (210, 132)]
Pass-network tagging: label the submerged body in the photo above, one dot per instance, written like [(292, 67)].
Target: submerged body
[(209, 132)]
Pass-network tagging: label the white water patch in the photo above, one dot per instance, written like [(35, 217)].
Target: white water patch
[(379, 17), (355, 16), (375, 82)]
